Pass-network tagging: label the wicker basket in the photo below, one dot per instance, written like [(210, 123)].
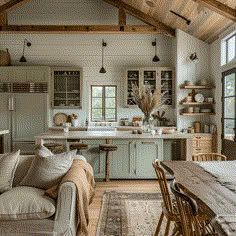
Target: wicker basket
[(5, 59)]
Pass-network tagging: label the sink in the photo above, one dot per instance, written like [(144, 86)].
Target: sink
[(101, 128)]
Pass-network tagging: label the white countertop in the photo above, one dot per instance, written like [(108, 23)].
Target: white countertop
[(4, 132), (110, 135)]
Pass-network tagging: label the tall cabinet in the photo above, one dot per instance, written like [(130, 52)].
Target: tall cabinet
[(24, 104), (154, 77)]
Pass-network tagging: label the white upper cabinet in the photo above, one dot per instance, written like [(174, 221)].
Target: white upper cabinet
[(24, 74), (155, 77)]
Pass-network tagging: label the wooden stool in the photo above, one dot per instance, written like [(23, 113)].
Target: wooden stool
[(107, 148), (79, 146), (55, 147)]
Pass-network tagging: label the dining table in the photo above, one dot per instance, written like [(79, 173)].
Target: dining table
[(213, 185)]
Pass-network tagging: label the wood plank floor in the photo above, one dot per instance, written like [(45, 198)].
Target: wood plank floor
[(124, 185)]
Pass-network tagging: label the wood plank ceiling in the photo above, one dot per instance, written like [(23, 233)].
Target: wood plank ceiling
[(206, 24)]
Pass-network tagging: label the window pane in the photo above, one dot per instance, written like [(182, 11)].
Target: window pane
[(97, 114), (230, 85), (229, 129), (97, 103), (231, 49), (110, 114), (229, 107), (96, 91), (110, 103), (110, 91)]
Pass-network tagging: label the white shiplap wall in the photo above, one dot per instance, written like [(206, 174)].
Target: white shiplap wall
[(187, 70), (84, 50)]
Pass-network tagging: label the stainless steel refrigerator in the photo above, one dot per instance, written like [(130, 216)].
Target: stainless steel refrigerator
[(23, 111)]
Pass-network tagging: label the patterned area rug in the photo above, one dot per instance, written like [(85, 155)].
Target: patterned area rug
[(130, 214)]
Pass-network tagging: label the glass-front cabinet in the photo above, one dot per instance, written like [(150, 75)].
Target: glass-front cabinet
[(66, 88), (154, 77)]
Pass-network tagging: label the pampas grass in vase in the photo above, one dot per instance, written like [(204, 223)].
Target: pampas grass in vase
[(147, 101)]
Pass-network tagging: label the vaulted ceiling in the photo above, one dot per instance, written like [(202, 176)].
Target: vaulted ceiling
[(208, 17)]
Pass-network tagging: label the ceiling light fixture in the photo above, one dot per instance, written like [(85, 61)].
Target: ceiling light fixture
[(188, 22), (102, 70), (28, 44), (155, 58), (150, 3)]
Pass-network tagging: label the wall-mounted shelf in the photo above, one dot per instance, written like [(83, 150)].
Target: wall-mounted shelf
[(197, 114), (197, 87)]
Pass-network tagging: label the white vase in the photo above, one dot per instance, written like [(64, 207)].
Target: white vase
[(75, 122)]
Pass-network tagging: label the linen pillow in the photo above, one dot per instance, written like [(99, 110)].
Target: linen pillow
[(24, 203), (47, 171), (8, 164)]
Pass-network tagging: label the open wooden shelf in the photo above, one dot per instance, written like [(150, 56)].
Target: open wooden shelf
[(197, 114), (197, 87), (197, 103)]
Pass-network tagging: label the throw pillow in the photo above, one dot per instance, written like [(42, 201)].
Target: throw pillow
[(8, 164), (47, 171), (24, 203)]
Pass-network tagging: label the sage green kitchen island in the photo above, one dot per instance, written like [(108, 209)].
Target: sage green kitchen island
[(135, 152)]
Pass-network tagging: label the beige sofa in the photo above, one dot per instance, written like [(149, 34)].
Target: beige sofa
[(63, 222)]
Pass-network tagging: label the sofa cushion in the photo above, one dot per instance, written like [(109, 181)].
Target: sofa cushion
[(48, 170), (21, 203), (8, 164)]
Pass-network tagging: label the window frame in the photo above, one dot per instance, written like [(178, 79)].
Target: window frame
[(223, 119), (103, 103), (227, 47)]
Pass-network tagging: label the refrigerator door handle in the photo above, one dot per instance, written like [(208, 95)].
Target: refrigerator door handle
[(11, 104)]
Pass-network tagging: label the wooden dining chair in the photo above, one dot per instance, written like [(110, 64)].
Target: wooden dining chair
[(191, 222), (168, 209), (209, 157)]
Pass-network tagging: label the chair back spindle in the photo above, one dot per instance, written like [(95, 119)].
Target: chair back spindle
[(188, 212), (209, 157), (163, 187)]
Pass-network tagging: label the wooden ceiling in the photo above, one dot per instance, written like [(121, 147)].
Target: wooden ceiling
[(208, 17), (206, 24)]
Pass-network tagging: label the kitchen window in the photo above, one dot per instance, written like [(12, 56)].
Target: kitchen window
[(103, 103), (229, 49)]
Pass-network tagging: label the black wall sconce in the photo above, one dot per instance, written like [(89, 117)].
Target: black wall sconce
[(155, 58), (193, 57), (102, 70), (28, 44)]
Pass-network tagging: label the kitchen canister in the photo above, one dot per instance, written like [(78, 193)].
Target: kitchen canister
[(5, 59), (197, 127)]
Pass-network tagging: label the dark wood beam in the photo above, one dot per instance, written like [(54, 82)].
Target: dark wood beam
[(3, 18), (122, 16), (12, 3), (220, 8), (142, 16), (146, 29)]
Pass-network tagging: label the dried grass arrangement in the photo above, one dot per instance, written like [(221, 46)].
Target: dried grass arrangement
[(146, 100)]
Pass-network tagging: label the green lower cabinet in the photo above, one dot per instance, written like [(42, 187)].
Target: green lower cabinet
[(95, 157), (146, 152), (122, 163)]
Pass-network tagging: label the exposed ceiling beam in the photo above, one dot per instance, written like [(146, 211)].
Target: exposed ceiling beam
[(146, 29), (3, 18), (220, 8), (142, 16), (122, 16), (10, 4)]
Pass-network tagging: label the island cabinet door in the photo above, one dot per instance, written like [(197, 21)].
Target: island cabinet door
[(147, 151), (95, 157), (122, 163)]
